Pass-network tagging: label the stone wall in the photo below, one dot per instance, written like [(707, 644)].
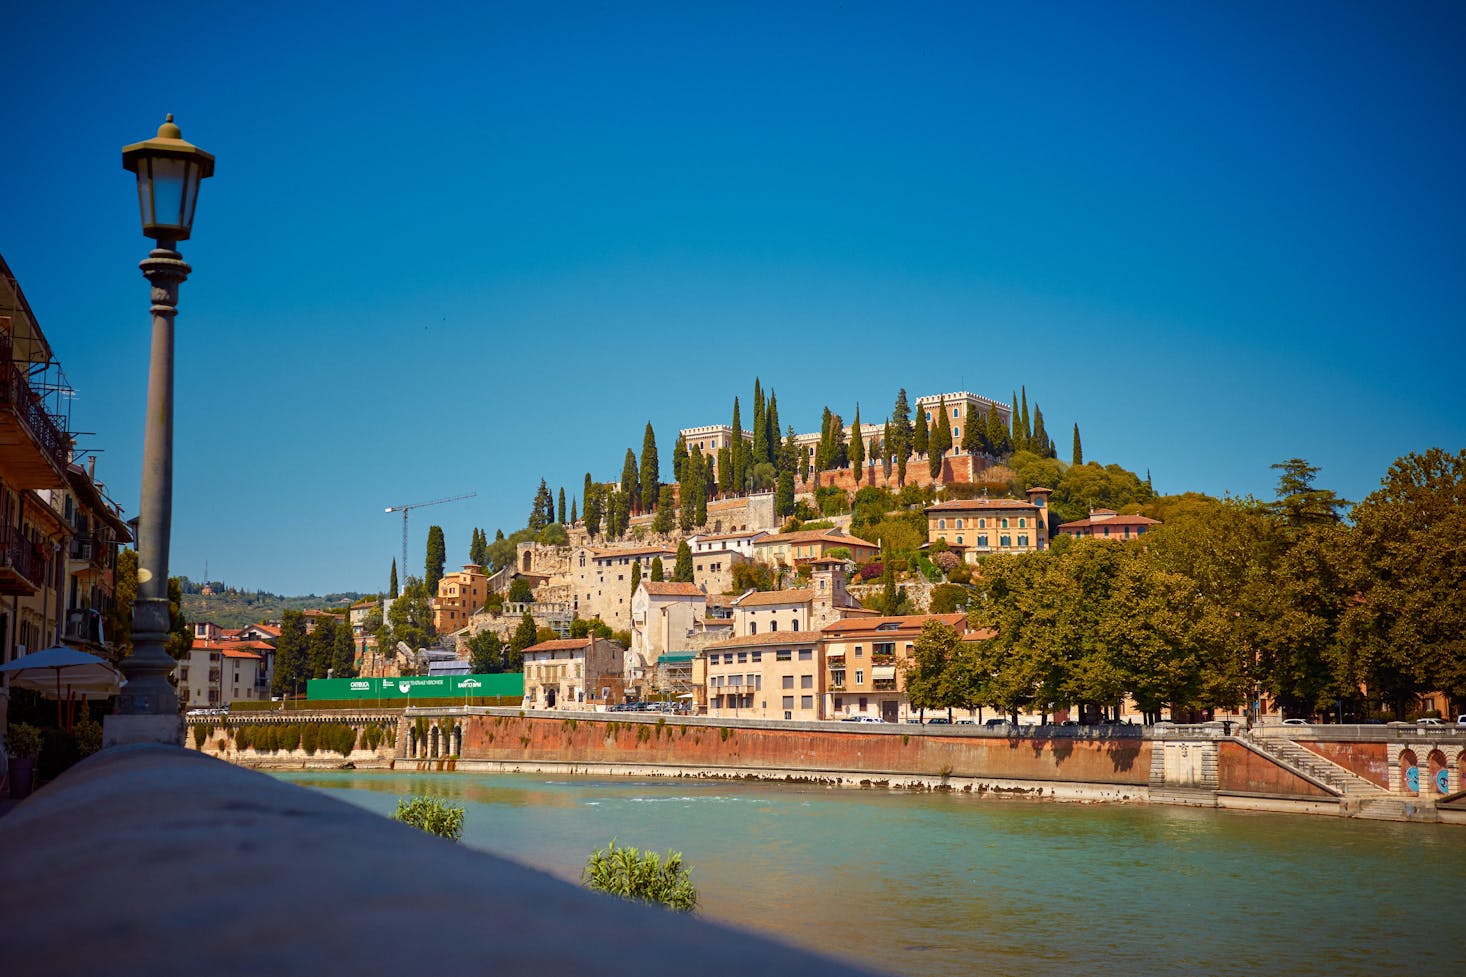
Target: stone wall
[(1240, 769), (955, 468)]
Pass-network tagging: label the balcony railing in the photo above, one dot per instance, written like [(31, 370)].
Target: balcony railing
[(884, 685), (16, 395), (82, 548), (21, 570)]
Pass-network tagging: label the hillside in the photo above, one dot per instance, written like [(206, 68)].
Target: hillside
[(235, 610)]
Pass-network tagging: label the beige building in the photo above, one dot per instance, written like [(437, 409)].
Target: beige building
[(977, 527), (216, 673), (601, 580), (1108, 524), (805, 546), (775, 675), (579, 674), (962, 408), (664, 617), (709, 439), (863, 659), (460, 595)]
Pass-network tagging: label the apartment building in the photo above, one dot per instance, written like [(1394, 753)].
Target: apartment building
[(863, 661), (215, 673), (973, 528), (600, 580), (572, 673), (460, 595), (810, 545), (775, 675)]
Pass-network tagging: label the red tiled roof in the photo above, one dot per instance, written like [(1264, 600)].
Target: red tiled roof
[(640, 551), (1110, 521), (702, 538), (767, 597), (239, 653), (655, 588), (780, 638), (975, 505), (905, 622), (811, 535), (560, 644)]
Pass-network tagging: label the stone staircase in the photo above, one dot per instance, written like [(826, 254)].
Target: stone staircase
[(1357, 797)]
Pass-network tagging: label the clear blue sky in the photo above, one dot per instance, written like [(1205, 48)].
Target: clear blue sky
[(461, 247)]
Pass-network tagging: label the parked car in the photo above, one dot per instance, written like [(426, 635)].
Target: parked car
[(993, 723), (973, 722), (940, 721), (1461, 720), (1429, 721), (862, 719), (1296, 722)]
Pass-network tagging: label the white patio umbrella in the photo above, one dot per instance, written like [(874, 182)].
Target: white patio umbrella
[(63, 673)]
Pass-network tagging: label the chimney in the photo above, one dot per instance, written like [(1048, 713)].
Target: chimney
[(92, 469)]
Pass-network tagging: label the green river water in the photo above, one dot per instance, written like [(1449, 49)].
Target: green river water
[(934, 884)]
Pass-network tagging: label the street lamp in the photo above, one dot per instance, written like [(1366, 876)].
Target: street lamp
[(168, 174)]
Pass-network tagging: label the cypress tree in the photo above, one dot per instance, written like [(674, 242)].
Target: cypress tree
[(1041, 442), (657, 571), (595, 510), (803, 464), (1015, 425), (857, 447), (537, 518), (666, 510), (630, 480), (560, 513), (1078, 456), (725, 470), (679, 458), (392, 581), (760, 431), (651, 470), (784, 495), (825, 449), (1027, 425), (682, 570), (788, 460), (921, 438), (941, 441), (732, 480), (635, 575), (700, 513), (899, 440), (771, 423), (574, 516), (691, 489), (437, 555), (974, 434)]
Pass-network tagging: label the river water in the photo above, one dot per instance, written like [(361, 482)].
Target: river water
[(935, 884)]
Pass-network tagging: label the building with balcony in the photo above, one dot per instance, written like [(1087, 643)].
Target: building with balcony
[(973, 528), (864, 663), (461, 594), (774, 675)]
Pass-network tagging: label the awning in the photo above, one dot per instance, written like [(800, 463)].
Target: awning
[(883, 671), (676, 658)]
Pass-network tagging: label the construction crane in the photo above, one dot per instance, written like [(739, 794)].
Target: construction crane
[(418, 505)]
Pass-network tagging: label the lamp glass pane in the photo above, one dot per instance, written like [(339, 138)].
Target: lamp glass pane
[(190, 195), (168, 184), (144, 192)]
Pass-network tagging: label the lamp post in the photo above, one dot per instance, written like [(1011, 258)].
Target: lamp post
[(169, 171)]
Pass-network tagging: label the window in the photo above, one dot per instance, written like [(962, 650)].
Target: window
[(756, 680), (1005, 540), (839, 703), (860, 680), (753, 627), (883, 648), (956, 434), (806, 681), (757, 656), (788, 702), (783, 655), (806, 702), (1005, 523), (858, 652), (787, 682), (928, 417), (956, 412), (941, 524), (862, 703), (959, 539), (806, 654), (1022, 540), (982, 524), (959, 523), (774, 625), (742, 657), (982, 540)]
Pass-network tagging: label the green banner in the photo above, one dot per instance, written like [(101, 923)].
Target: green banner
[(509, 685)]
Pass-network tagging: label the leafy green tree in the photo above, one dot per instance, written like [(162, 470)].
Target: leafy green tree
[(118, 617), (1027, 442), (560, 513), (1299, 503), (947, 598), (524, 636), (411, 617), (635, 575), (1015, 422), (630, 481), (292, 655), (1042, 445), (322, 646), (553, 535), (521, 591), (857, 446), (432, 815), (180, 635), (641, 877), (682, 570), (788, 460), (666, 510), (392, 584), (998, 435), (1078, 457), (974, 434), (658, 573), (343, 657), (931, 671), (1407, 628), (485, 653), (651, 473), (437, 556)]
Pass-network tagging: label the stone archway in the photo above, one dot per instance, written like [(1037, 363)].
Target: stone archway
[(1409, 772), (1440, 775), (458, 741), (528, 562), (433, 737)]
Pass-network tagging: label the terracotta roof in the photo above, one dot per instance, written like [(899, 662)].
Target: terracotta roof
[(779, 638), (703, 538), (239, 653), (1115, 520), (975, 505), (980, 634), (657, 588), (904, 623), (811, 535), (231, 645), (767, 597), (560, 644)]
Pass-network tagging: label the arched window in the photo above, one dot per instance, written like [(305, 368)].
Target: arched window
[(959, 523), (1022, 522), (941, 524), (753, 627), (1005, 523), (982, 524)]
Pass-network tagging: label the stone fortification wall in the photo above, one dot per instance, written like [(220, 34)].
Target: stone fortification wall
[(917, 751), (955, 468)]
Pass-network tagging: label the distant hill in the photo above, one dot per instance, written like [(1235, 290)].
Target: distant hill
[(235, 609)]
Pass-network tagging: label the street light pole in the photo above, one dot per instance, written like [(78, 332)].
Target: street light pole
[(168, 174)]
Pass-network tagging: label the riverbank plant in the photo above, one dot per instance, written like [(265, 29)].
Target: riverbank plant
[(662, 880), (432, 815)]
